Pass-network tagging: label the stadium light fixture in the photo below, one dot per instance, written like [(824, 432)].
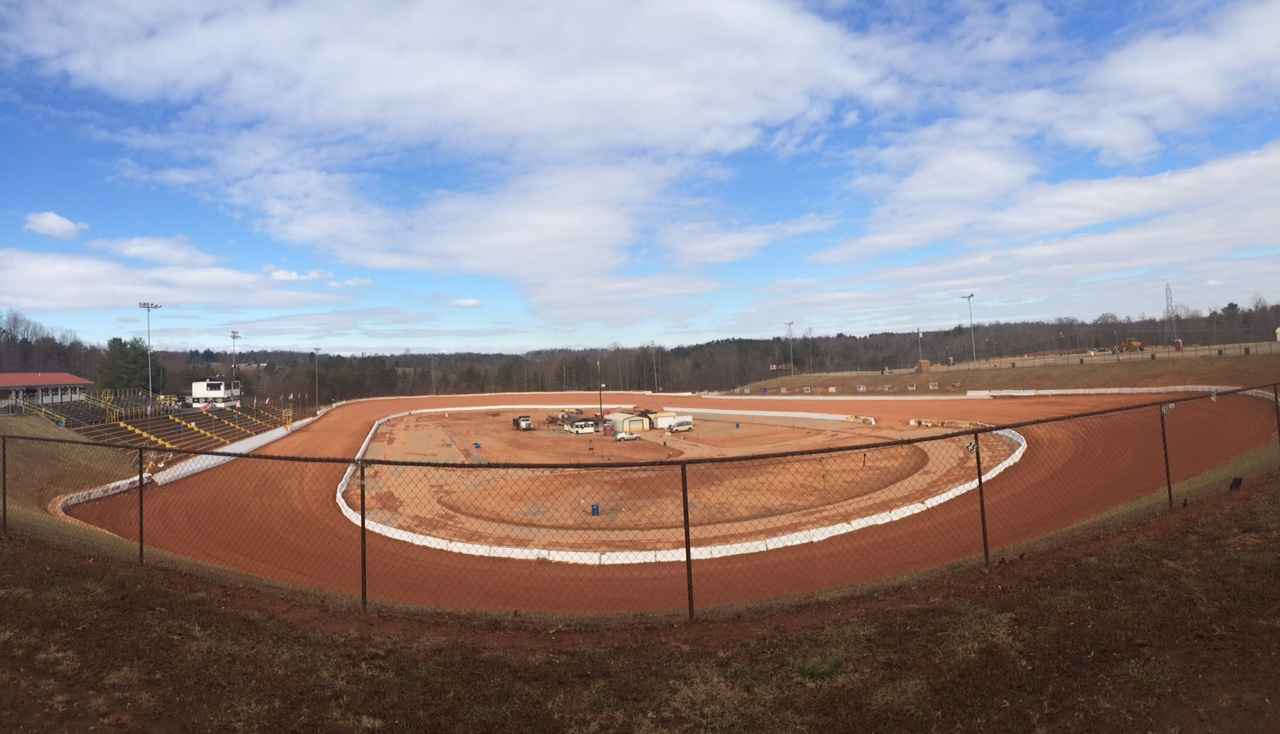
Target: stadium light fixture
[(149, 307), (234, 335)]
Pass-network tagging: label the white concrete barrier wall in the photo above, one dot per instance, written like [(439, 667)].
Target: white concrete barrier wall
[(194, 465), (675, 554)]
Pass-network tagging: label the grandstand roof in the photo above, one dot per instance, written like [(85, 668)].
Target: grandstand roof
[(41, 379)]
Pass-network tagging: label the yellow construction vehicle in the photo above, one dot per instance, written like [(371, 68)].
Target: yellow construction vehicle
[(1130, 345)]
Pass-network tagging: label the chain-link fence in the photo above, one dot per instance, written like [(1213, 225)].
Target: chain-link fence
[(643, 536)]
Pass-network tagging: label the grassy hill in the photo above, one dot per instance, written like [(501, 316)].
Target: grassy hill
[(1098, 372)]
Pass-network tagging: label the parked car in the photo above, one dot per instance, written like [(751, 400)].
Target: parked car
[(625, 436)]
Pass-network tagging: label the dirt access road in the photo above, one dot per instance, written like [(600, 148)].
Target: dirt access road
[(280, 520)]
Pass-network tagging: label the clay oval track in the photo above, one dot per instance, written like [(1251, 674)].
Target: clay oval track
[(278, 520)]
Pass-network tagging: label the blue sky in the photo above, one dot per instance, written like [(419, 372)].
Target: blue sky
[(500, 176)]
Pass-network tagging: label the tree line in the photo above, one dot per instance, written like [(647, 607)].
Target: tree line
[(26, 346)]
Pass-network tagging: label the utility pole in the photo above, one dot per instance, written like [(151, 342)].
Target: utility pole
[(317, 350), (149, 307), (972, 343), (920, 343), (433, 375), (234, 335)]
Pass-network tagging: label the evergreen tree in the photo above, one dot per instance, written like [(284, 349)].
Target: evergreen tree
[(124, 365)]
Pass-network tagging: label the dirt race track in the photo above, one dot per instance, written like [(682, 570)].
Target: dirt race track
[(280, 520)]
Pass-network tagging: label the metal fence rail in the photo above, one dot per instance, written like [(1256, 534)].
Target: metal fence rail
[(650, 536)]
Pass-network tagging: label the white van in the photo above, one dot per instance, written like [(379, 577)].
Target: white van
[(681, 425)]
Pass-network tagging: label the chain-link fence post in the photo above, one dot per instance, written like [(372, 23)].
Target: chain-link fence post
[(4, 485), (1275, 394), (982, 503), (688, 538), (141, 467), (364, 547), (1164, 438)]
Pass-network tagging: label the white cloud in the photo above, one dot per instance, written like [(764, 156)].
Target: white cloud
[(85, 283), (289, 276), (53, 225), (666, 75), (465, 303), (352, 283), (611, 155), (164, 250), (697, 243)]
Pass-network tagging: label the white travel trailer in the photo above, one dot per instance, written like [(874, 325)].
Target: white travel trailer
[(221, 393)]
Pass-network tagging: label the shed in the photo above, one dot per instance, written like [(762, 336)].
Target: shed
[(626, 422)]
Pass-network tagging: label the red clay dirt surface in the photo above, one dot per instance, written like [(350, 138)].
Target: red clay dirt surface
[(282, 522)]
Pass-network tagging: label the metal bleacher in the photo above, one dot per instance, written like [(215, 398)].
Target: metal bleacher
[(188, 430)]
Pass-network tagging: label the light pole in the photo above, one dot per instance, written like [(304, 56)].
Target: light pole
[(972, 343), (317, 351), (600, 377), (234, 335), (791, 340), (920, 343), (657, 382), (433, 375), (149, 307)]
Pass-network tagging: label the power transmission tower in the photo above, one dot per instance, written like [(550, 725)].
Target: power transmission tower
[(1170, 317)]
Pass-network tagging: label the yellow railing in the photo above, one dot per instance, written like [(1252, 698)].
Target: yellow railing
[(148, 436), (198, 429), (236, 426), (55, 418), (258, 417)]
